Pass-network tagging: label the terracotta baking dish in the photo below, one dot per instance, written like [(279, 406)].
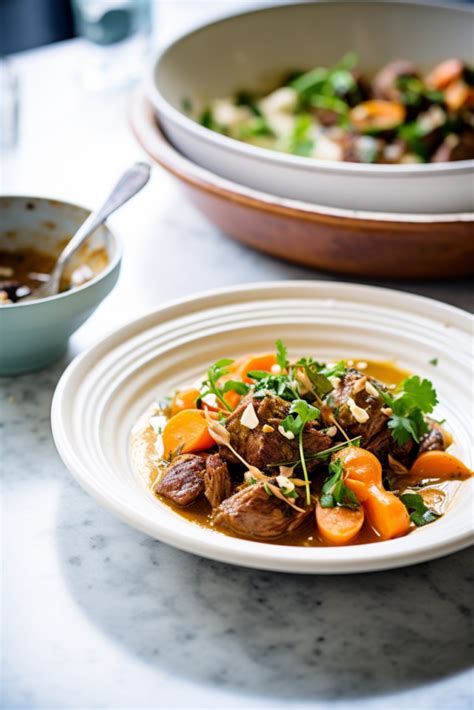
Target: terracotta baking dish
[(345, 241)]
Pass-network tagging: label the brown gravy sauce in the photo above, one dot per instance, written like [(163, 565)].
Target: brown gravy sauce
[(31, 267)]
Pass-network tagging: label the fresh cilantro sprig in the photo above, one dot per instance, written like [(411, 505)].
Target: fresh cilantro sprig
[(318, 374), (334, 491), (412, 400), (281, 385), (312, 369), (421, 515), (211, 385), (301, 412), (281, 355)]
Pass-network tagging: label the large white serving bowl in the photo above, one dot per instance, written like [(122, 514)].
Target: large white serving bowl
[(105, 390), (252, 49)]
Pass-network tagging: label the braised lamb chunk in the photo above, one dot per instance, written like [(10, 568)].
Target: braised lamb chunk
[(265, 444), (383, 444), (375, 435), (435, 440), (253, 513), (183, 481), (455, 147), (352, 387), (217, 481)]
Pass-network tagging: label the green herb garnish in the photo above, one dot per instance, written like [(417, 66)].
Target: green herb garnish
[(210, 386), (315, 374), (281, 385), (295, 424), (236, 386), (411, 401), (421, 515), (334, 491), (257, 126), (320, 455), (281, 355)]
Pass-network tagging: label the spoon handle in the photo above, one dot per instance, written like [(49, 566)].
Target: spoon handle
[(129, 184)]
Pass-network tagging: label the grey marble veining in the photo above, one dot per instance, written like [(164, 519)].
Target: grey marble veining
[(85, 592)]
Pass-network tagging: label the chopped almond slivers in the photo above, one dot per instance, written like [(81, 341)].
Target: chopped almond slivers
[(285, 483), (287, 434), (249, 418), (370, 389), (359, 385), (359, 414)]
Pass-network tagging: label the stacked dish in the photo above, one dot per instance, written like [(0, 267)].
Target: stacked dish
[(392, 220)]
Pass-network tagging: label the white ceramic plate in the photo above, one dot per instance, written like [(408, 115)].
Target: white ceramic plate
[(254, 49), (104, 391)]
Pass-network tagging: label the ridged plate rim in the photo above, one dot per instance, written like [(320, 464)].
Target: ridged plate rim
[(116, 362)]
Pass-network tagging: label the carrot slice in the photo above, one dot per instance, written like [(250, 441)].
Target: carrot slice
[(377, 114), (358, 488), (439, 464), (264, 362), (457, 95), (339, 525), (184, 399), (363, 475), (187, 431), (444, 74), (360, 465), (386, 513)]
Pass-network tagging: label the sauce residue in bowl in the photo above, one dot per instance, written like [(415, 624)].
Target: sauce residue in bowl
[(24, 270)]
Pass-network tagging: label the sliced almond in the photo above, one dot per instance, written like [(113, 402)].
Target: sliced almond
[(249, 417), (359, 385), (285, 483), (370, 389), (359, 414)]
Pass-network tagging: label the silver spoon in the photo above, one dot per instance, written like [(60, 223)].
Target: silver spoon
[(129, 184)]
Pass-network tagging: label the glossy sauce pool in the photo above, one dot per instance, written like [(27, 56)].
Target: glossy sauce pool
[(145, 460)]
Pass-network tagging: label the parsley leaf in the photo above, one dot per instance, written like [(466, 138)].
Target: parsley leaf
[(421, 515), (413, 399), (404, 427), (235, 386), (334, 491), (281, 355), (210, 386), (315, 373), (305, 413), (282, 385), (418, 393)]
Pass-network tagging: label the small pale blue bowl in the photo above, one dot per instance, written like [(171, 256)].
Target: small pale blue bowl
[(35, 334)]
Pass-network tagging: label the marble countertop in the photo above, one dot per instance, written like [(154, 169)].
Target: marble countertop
[(95, 614)]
